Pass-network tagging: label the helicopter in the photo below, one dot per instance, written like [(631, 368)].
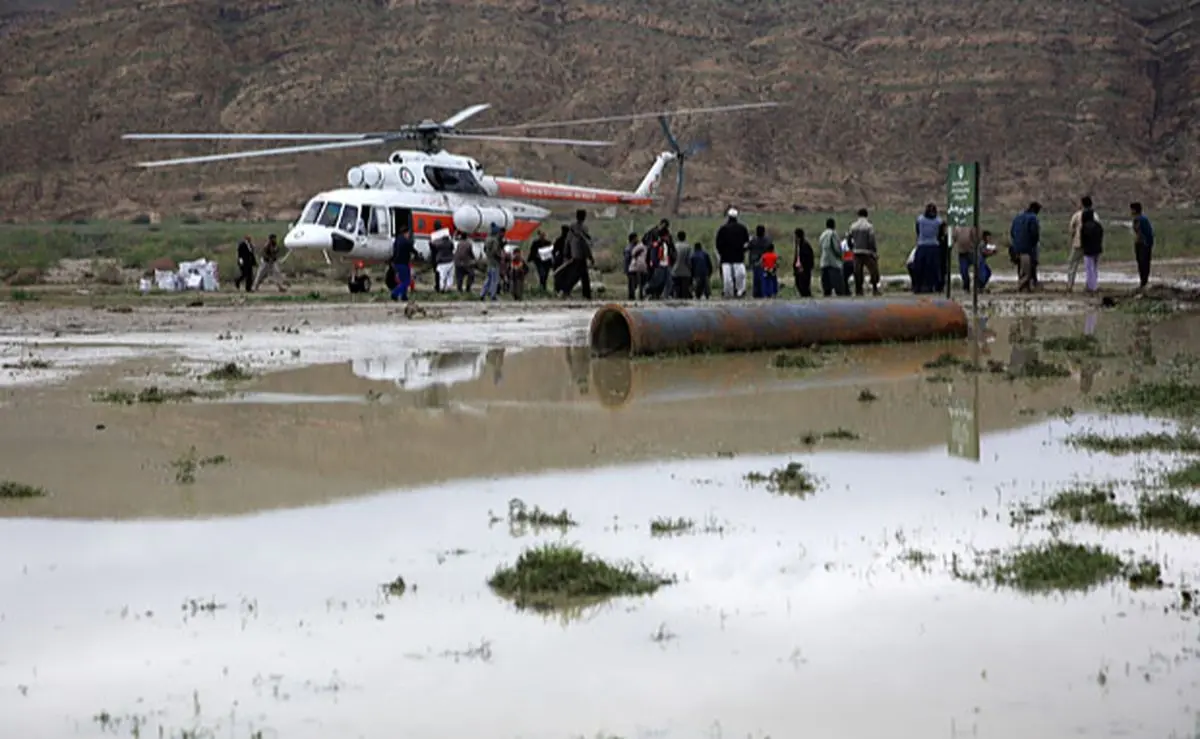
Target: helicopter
[(429, 189)]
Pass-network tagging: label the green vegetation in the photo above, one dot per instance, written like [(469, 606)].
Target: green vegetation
[(520, 514), (187, 465), (945, 361), (229, 372), (152, 395), (668, 526), (793, 480), (916, 558), (796, 360), (1036, 368), (556, 574), (1148, 442), (10, 489), (1053, 566), (1167, 398), (1083, 344), (838, 434), (1169, 512), (1187, 476), (395, 588), (1096, 505), (34, 363)]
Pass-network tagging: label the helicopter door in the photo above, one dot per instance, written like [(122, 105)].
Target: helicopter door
[(377, 234), (401, 216)]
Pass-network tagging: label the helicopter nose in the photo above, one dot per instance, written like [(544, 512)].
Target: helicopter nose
[(307, 237)]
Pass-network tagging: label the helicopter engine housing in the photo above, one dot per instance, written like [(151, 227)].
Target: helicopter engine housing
[(474, 219)]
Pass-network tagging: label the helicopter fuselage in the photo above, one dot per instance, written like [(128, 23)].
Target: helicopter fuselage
[(430, 192)]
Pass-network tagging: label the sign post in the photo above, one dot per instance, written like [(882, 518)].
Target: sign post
[(962, 211)]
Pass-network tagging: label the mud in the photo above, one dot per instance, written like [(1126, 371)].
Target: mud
[(249, 600)]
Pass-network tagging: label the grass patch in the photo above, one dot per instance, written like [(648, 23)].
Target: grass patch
[(1156, 442), (152, 395), (29, 364), (945, 361), (1094, 504), (556, 574), (866, 396), (838, 434), (1169, 511), (1036, 368), (795, 360), (522, 515), (916, 558), (1187, 476), (793, 480), (668, 526), (1051, 566), (1145, 574), (10, 489), (395, 588), (187, 465), (230, 372), (1170, 398), (1083, 344)]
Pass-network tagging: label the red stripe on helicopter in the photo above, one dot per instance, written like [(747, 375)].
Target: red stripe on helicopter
[(549, 191), (424, 223)]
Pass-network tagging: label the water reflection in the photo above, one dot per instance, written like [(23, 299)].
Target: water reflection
[(416, 371), (800, 614)]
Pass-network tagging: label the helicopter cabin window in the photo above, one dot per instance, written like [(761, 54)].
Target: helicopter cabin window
[(378, 222), (349, 222), (444, 179), (329, 216), (313, 210)]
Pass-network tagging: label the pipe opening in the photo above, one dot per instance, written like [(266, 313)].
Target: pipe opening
[(611, 333)]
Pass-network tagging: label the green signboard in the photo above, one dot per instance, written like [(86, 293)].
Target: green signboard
[(962, 194), (963, 438)]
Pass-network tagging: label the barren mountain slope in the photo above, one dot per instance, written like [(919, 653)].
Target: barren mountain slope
[(1054, 97)]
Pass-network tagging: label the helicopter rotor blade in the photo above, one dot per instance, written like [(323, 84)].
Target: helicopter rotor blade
[(662, 121), (265, 152), (527, 140), (248, 136), (464, 114), (631, 117)]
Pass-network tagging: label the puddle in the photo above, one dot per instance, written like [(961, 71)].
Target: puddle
[(248, 598), (415, 417), (797, 614)]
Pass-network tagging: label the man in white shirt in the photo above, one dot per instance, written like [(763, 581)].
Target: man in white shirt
[(1076, 246)]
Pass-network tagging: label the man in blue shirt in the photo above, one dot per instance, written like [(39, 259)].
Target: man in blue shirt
[(1025, 235), (1143, 242), (402, 251)]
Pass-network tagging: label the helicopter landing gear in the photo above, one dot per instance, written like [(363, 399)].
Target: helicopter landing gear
[(360, 284)]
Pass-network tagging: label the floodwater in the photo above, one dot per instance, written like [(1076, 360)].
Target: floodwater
[(791, 617)]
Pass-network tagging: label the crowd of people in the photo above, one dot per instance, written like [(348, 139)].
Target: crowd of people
[(660, 264)]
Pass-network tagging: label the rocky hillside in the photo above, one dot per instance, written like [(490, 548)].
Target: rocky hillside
[(1054, 97)]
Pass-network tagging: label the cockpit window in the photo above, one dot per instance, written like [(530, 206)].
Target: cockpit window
[(313, 210), (349, 222), (444, 179), (329, 216)]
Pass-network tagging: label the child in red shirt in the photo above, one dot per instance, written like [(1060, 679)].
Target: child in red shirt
[(770, 260)]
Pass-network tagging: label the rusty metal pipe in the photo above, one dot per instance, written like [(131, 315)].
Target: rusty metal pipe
[(770, 324)]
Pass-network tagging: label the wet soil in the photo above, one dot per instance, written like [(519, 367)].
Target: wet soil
[(250, 598)]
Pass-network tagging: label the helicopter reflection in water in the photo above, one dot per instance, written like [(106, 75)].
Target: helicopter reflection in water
[(420, 370)]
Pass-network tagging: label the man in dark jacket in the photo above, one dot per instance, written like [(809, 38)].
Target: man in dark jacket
[(702, 268), (402, 254), (558, 264), (540, 260), (802, 264), (758, 246), (1143, 242), (579, 253), (1025, 234), (732, 239), (247, 263)]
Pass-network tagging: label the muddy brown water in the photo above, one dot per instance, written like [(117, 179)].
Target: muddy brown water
[(789, 615)]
